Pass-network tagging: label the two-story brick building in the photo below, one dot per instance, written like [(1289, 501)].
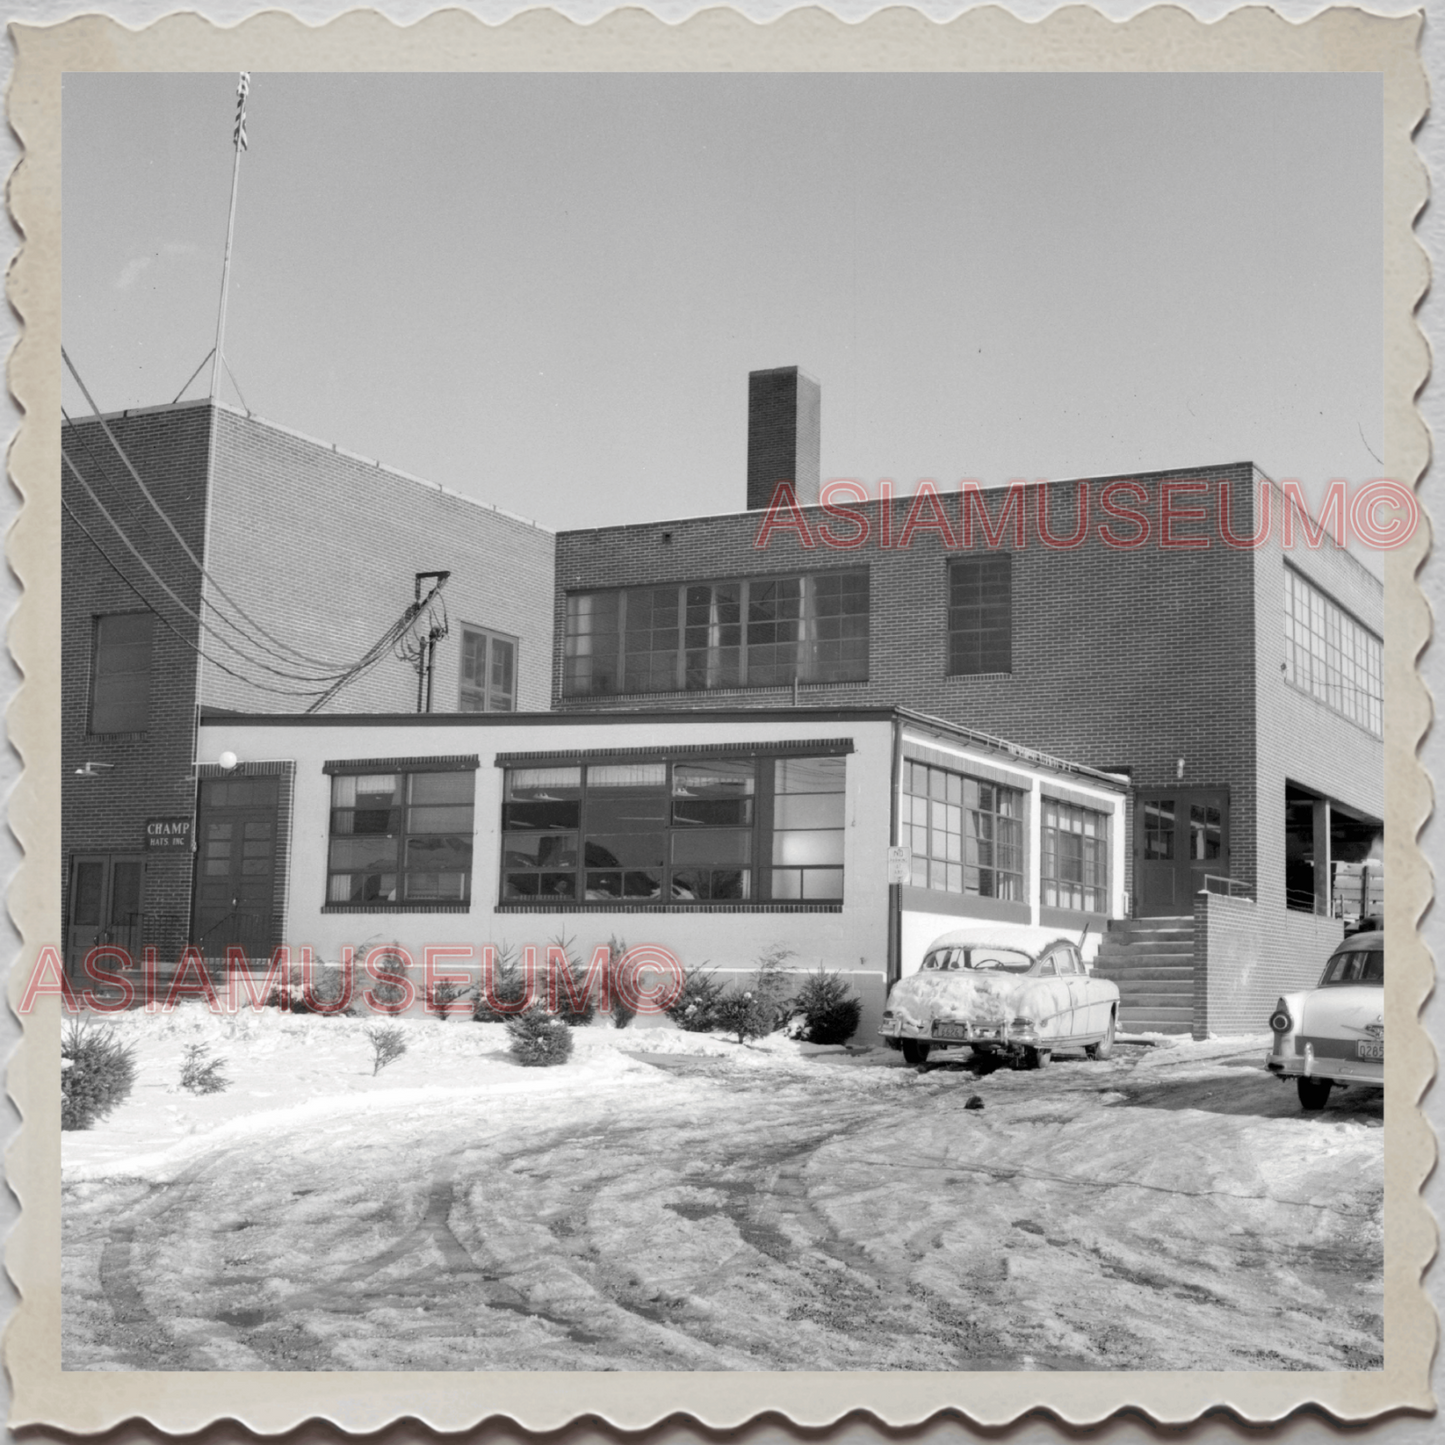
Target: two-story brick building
[(1125, 622), (211, 559)]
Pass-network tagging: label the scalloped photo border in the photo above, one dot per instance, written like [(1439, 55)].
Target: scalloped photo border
[(1073, 39)]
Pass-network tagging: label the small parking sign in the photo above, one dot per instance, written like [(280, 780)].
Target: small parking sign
[(900, 864)]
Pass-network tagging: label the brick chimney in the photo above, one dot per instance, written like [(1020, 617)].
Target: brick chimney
[(784, 407)]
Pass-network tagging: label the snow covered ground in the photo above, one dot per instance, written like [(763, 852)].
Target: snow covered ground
[(676, 1201)]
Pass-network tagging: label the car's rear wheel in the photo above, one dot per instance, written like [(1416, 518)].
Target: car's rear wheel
[(915, 1051), (1105, 1046), (1312, 1093)]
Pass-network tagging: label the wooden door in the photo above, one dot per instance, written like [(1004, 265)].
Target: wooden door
[(1181, 837), (236, 826), (107, 906)]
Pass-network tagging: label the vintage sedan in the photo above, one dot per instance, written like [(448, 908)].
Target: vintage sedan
[(1015, 992), (1334, 1035)]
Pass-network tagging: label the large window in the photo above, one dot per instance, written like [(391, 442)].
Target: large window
[(401, 838), (967, 835), (120, 696), (489, 671), (1074, 862), (1330, 656), (682, 831), (980, 614), (753, 632)]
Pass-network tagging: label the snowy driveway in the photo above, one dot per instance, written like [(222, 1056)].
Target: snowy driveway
[(666, 1202)]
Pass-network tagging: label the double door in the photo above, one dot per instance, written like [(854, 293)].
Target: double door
[(107, 905), (1181, 837)]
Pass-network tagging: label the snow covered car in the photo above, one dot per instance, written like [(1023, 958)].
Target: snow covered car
[(1334, 1034), (1016, 992)]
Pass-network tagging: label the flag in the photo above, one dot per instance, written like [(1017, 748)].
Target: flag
[(238, 139)]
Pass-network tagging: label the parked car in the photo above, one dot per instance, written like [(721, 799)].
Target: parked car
[(1334, 1034), (1015, 992)]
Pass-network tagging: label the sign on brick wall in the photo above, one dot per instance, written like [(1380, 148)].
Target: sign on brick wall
[(173, 833)]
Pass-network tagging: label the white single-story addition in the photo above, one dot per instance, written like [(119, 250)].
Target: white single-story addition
[(850, 837)]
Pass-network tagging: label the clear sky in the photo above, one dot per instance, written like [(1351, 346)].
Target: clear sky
[(547, 291)]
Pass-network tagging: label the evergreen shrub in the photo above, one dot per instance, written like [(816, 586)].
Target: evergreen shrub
[(539, 1039), (97, 1074)]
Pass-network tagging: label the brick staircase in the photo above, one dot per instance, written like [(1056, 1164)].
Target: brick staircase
[(1152, 961)]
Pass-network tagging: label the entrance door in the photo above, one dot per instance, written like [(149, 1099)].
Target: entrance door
[(236, 866), (1181, 836), (107, 899)]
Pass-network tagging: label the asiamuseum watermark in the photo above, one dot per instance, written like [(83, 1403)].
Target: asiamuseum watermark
[(647, 979), (1187, 515)]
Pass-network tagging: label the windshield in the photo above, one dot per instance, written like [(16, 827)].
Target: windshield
[(1359, 965), (962, 958)]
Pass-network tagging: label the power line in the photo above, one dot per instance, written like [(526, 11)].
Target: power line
[(185, 546)]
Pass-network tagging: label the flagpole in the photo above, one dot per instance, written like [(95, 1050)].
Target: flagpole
[(243, 89)]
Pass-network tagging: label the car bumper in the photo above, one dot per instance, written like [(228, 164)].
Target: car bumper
[(1339, 1070), (952, 1033)]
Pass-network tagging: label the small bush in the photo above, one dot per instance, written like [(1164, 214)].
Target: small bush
[(97, 1073), (539, 1039), (443, 994), (508, 987), (328, 988), (762, 1009), (696, 1007), (622, 1013), (829, 1008), (201, 1075), (395, 963), (388, 1043), (570, 1014)]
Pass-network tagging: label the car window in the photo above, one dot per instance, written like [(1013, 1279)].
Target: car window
[(1049, 967), (956, 958), (1068, 961), (1356, 965)]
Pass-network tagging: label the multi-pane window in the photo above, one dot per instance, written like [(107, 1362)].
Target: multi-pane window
[(401, 838), (967, 835), (753, 632), (489, 671), (1331, 656), (980, 614), (675, 831), (120, 696), (1074, 857)]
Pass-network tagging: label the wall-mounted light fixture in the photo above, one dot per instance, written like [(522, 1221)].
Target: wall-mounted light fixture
[(94, 770), (1179, 768)]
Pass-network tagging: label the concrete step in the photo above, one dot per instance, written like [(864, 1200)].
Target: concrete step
[(1156, 1026), (1130, 1018), (1144, 963), (1132, 1004), (1109, 948), (1133, 971)]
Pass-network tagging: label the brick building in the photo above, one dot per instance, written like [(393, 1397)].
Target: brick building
[(1109, 620), (310, 555)]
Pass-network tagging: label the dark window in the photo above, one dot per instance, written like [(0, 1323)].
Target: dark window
[(120, 698), (967, 835), (755, 632), (401, 838), (980, 614), (675, 832), (1074, 857), (489, 671)]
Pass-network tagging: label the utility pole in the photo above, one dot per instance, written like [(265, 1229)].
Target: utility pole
[(427, 645)]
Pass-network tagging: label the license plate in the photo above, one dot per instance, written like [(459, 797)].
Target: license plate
[(1370, 1050), (950, 1031)]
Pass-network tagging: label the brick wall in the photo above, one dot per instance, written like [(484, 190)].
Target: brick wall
[(1246, 955), (1129, 657), (150, 775), (334, 566)]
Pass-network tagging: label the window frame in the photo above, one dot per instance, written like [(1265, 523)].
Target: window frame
[(760, 851), (142, 713), (726, 655), (911, 828), (491, 635), (404, 769), (1103, 841), (958, 640), (1338, 661)]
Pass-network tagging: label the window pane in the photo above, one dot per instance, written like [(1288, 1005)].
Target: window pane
[(120, 683), (980, 613), (592, 644)]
